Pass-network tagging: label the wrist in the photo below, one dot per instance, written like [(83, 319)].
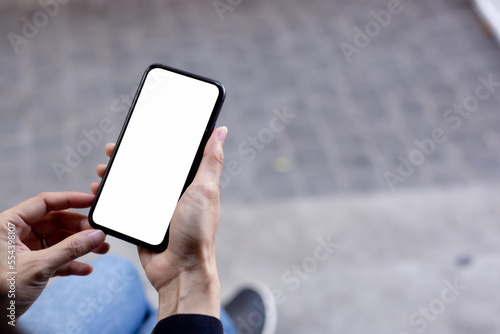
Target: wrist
[(193, 291)]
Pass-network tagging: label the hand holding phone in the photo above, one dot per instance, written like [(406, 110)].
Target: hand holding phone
[(156, 156), (189, 261)]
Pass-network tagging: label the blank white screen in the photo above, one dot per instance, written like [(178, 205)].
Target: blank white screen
[(155, 155)]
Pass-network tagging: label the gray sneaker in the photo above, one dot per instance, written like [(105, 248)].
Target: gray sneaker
[(252, 308)]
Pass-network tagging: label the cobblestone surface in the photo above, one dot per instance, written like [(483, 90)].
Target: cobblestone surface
[(353, 120)]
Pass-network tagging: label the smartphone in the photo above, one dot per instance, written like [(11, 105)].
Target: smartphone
[(157, 155)]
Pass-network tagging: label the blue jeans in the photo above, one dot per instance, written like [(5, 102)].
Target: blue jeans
[(110, 300)]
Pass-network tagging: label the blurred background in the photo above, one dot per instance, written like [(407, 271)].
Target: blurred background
[(388, 149)]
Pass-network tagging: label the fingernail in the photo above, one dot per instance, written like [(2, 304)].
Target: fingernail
[(221, 134), (96, 237)]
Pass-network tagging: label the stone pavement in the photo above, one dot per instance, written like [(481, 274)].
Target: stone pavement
[(389, 270), (410, 103)]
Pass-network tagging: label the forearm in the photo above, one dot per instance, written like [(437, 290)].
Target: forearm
[(195, 291)]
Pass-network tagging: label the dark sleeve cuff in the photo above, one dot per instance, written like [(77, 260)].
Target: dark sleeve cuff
[(189, 323)]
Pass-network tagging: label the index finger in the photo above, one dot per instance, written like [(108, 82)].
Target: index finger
[(35, 208)]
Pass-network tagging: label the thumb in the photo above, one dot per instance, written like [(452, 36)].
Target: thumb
[(213, 159), (73, 247)]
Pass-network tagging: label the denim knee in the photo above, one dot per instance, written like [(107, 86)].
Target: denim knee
[(117, 273)]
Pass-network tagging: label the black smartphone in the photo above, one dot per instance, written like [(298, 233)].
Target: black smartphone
[(157, 155)]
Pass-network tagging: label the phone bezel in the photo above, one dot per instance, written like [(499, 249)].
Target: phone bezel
[(194, 166)]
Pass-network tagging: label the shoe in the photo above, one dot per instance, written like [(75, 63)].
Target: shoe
[(252, 308)]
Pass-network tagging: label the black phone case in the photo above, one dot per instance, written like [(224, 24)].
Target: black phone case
[(194, 167)]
